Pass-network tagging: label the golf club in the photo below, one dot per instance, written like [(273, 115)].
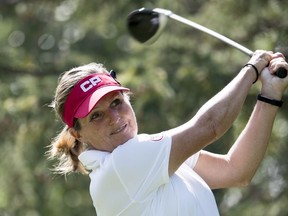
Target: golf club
[(146, 25)]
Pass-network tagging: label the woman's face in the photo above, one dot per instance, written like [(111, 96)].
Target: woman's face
[(111, 123)]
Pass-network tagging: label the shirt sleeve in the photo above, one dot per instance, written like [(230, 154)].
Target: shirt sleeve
[(192, 160), (142, 164)]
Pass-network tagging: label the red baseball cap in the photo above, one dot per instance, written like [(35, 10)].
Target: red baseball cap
[(86, 94)]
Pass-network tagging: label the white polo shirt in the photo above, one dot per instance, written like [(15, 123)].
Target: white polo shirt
[(133, 180)]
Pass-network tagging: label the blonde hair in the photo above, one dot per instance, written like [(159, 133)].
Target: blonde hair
[(64, 147)]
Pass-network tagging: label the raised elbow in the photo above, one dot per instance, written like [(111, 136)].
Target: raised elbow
[(240, 175), (244, 178)]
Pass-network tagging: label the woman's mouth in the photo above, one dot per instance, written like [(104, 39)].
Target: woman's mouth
[(119, 130)]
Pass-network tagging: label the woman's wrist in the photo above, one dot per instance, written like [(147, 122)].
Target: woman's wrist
[(271, 93), (269, 100), (253, 68), (249, 74)]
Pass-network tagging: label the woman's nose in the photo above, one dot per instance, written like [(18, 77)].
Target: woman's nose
[(114, 116)]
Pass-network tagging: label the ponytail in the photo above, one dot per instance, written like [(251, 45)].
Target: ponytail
[(66, 149)]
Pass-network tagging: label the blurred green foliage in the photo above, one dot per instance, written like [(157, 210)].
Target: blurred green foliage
[(170, 79)]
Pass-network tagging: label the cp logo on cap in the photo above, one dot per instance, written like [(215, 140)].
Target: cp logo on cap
[(88, 84)]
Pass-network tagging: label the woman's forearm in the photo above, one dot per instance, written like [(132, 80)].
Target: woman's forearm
[(250, 147), (225, 106), (216, 116)]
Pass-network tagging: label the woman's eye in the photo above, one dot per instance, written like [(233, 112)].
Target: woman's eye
[(116, 102), (96, 115)]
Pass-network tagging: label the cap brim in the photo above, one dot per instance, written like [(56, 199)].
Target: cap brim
[(90, 102)]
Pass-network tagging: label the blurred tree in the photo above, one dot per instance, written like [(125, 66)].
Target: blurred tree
[(170, 79)]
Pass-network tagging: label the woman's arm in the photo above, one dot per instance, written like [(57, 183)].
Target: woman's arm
[(239, 165), (216, 116)]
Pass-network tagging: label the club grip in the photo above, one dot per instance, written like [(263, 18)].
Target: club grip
[(281, 73)]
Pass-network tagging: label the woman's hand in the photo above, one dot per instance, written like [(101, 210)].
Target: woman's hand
[(274, 87), (260, 59)]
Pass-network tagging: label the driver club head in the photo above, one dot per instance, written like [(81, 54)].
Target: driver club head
[(146, 25)]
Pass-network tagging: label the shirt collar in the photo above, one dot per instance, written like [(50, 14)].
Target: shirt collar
[(92, 159)]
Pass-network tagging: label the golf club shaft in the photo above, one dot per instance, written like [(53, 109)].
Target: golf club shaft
[(212, 33), (281, 72)]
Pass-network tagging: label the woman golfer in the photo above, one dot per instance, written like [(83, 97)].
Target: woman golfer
[(168, 173)]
